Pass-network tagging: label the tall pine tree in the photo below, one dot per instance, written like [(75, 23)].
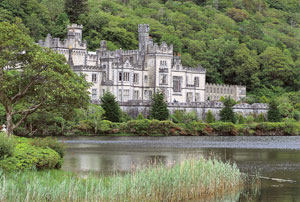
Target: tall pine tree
[(111, 107), (273, 112), (159, 109), (227, 114)]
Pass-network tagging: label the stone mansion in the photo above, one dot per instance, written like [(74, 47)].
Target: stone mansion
[(137, 74)]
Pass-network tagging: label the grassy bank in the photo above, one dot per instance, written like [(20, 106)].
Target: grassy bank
[(191, 179)]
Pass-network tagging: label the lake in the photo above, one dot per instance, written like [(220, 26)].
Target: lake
[(277, 159)]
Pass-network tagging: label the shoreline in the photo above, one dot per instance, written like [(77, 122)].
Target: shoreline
[(199, 142)]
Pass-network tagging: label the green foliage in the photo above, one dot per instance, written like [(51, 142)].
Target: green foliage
[(197, 128), (297, 115), (181, 116), (111, 107), (273, 112), (227, 114), (125, 117), (107, 127), (224, 128), (183, 181), (254, 43), (2, 115), (249, 119), (261, 118), (75, 8), (140, 117), (7, 146), (240, 119), (37, 78), (49, 142), (27, 156), (159, 108), (210, 117)]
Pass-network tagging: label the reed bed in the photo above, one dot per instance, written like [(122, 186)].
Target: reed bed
[(192, 179)]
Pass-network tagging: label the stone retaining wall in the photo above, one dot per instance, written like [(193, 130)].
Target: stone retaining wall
[(133, 108)]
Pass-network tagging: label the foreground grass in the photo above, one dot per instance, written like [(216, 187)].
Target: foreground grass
[(191, 179)]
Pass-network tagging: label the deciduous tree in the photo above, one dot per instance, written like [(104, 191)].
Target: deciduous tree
[(33, 78)]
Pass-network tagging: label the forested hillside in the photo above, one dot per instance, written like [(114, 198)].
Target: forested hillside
[(250, 42)]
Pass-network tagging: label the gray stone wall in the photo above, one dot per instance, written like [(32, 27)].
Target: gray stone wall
[(133, 108)]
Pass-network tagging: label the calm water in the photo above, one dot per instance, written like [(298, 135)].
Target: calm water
[(276, 158)]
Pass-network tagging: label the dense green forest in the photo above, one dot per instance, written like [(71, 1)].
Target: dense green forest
[(251, 42)]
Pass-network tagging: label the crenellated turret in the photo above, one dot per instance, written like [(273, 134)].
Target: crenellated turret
[(75, 31)]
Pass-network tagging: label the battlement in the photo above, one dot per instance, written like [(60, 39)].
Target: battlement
[(75, 26), (160, 49), (224, 85), (143, 28), (199, 69)]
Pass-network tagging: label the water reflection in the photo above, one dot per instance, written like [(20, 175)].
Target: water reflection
[(108, 155)]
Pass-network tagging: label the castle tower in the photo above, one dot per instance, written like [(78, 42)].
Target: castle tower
[(143, 37), (75, 31), (103, 45)]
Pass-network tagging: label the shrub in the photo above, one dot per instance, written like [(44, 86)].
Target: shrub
[(106, 126), (150, 127), (165, 128), (292, 128), (270, 128), (125, 117), (140, 127), (181, 116), (249, 119), (27, 156), (7, 146), (297, 115), (273, 112), (261, 118), (210, 117), (140, 116), (197, 128), (240, 119), (224, 128), (51, 143)]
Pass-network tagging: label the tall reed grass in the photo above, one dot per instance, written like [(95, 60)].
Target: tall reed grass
[(193, 179)]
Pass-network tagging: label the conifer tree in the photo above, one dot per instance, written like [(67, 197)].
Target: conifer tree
[(111, 107), (241, 119), (227, 114), (140, 116), (159, 109), (273, 112), (210, 117)]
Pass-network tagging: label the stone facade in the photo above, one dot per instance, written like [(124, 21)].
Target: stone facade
[(132, 74), (214, 92)]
